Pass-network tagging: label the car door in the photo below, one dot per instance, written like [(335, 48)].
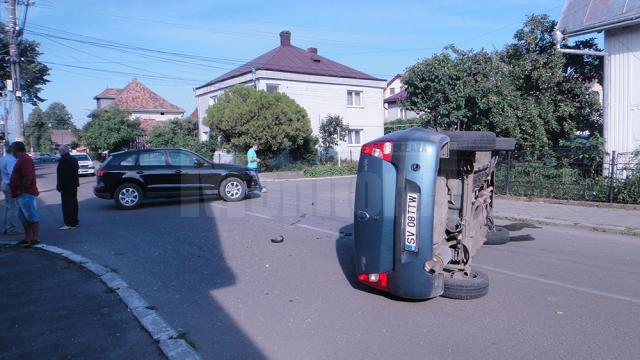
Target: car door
[(186, 169), (155, 173)]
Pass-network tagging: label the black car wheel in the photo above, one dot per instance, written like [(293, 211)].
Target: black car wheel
[(233, 189), (465, 285), (128, 196), (471, 140), (498, 237)]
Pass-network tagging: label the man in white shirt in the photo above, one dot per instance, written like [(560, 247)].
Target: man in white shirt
[(7, 163)]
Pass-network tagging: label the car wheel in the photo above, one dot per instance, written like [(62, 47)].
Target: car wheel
[(465, 285), (128, 196), (498, 237), (233, 189)]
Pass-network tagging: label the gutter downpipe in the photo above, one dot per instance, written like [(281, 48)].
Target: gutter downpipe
[(557, 38)]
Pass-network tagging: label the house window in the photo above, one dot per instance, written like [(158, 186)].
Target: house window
[(273, 88), (355, 137), (392, 91), (213, 100), (354, 98)]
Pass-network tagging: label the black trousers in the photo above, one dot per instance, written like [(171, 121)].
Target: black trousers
[(70, 207)]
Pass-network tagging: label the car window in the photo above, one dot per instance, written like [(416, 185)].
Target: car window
[(181, 158), (82, 157), (152, 158), (129, 160)]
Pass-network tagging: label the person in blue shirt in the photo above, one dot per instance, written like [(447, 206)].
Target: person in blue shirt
[(252, 163), (10, 225)]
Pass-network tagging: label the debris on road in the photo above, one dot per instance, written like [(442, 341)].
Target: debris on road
[(278, 239)]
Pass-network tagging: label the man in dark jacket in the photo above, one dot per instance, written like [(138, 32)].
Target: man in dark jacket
[(67, 185)]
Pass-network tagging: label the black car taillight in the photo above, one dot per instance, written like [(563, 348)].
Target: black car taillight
[(101, 172)]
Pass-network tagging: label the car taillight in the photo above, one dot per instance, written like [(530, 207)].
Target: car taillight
[(378, 281), (380, 149), (101, 172)]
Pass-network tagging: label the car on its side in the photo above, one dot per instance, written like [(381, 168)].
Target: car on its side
[(85, 164), (128, 177)]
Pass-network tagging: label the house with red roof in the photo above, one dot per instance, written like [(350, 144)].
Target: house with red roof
[(394, 92), (141, 101), (318, 84)]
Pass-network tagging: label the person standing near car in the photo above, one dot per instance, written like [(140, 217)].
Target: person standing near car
[(25, 191), (252, 163), (67, 185), (7, 162)]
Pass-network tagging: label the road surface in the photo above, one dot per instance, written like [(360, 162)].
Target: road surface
[(210, 269)]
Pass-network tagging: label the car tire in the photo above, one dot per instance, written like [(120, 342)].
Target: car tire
[(505, 144), (233, 189), (473, 286), (498, 237), (128, 196), (471, 140)]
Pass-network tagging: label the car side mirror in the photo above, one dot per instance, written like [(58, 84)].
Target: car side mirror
[(197, 163)]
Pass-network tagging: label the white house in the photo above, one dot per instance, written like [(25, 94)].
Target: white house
[(320, 85), (393, 93), (620, 22)]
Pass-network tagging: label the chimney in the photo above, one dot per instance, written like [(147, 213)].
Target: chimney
[(285, 38), (313, 50)]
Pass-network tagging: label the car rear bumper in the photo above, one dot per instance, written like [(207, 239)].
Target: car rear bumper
[(102, 193), (86, 171)]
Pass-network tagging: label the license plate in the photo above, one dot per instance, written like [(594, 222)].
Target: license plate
[(411, 222)]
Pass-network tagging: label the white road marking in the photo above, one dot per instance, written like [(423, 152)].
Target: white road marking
[(318, 229), (258, 215), (310, 178), (561, 284)]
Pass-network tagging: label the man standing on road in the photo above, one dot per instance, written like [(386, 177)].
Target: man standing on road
[(7, 162), (252, 163), (25, 191), (67, 185)]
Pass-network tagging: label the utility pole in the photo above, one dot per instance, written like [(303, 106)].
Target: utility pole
[(14, 59)]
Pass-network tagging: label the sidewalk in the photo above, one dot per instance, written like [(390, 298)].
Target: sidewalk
[(53, 308), (592, 218)]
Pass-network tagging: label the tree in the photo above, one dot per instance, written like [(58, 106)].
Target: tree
[(33, 73), (528, 90), (58, 117), (244, 116), (180, 133), (110, 130), (332, 130), (37, 131)]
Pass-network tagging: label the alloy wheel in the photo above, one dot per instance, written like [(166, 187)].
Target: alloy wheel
[(128, 196)]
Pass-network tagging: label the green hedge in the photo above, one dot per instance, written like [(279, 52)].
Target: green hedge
[(348, 168)]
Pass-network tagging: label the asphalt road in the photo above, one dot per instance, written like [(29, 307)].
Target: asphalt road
[(211, 270)]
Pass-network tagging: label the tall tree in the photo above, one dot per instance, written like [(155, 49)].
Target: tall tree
[(527, 90), (59, 117), (33, 73), (37, 131), (110, 130), (244, 116)]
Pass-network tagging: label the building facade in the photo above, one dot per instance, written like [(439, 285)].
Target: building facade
[(620, 22), (321, 86), (393, 93)]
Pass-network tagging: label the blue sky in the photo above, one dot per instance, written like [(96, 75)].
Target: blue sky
[(378, 37)]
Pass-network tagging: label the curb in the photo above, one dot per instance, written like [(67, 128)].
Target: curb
[(620, 230), (589, 204), (167, 338)]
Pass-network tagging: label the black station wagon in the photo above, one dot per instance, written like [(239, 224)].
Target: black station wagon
[(128, 177)]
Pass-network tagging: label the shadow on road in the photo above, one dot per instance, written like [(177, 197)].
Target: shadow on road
[(170, 252), (520, 226)]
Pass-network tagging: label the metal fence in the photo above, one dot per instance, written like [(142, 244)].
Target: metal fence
[(614, 179)]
